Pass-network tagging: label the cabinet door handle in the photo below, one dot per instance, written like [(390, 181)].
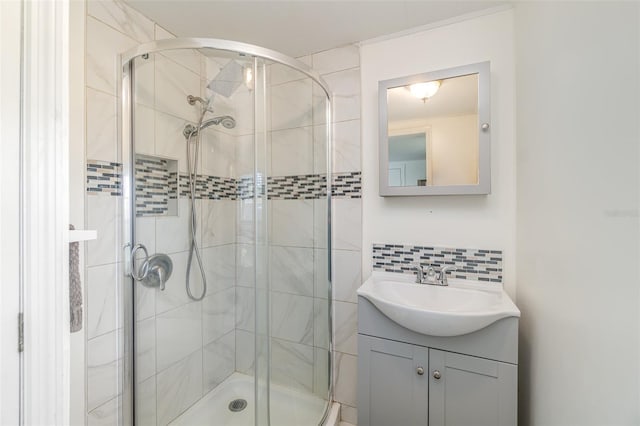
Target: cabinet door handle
[(436, 374), (420, 371)]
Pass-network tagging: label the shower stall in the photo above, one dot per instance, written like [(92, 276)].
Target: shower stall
[(226, 295)]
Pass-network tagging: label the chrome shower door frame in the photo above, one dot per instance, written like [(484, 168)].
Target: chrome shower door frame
[(127, 155)]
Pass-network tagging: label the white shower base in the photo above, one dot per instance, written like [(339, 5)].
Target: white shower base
[(289, 407)]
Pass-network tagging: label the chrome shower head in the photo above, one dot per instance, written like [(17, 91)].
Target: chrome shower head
[(227, 122)]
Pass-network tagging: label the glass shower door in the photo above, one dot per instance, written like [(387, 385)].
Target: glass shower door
[(225, 183)]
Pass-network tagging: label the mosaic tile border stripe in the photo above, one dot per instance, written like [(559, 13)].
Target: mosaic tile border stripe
[(299, 187), (347, 185), (473, 264), (153, 186), (106, 177)]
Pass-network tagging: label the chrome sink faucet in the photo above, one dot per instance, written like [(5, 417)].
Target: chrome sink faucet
[(431, 276)]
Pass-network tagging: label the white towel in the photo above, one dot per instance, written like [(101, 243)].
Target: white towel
[(75, 286)]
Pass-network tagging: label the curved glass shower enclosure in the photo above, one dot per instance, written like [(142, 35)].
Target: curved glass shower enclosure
[(226, 217)]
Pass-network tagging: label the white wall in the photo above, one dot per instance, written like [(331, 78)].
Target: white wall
[(578, 81), (10, 105), (449, 221), (76, 194)]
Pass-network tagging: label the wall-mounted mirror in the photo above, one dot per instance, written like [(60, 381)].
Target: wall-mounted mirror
[(435, 133)]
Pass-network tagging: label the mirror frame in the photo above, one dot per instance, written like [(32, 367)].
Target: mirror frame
[(483, 186)]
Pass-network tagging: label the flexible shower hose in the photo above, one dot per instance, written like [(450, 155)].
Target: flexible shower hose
[(193, 223)]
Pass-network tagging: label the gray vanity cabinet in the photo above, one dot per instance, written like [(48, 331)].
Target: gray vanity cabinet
[(397, 394), (409, 379), (471, 391)]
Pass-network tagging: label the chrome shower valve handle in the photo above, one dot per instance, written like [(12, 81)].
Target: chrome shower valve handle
[(154, 271)]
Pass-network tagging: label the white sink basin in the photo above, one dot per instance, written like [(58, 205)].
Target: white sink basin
[(461, 307)]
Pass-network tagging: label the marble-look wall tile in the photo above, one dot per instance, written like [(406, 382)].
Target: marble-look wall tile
[(170, 142), (245, 254), (146, 232), (179, 333), (321, 376), (163, 34), (172, 232), (292, 270), (173, 84), (219, 360), (102, 369), (245, 351), (292, 318), (346, 147), (321, 323), (320, 223), (292, 151), (337, 59), (349, 414), (219, 267), (244, 156), (345, 378), (319, 103), (245, 223), (144, 89), (292, 223), (101, 287), (347, 275), (347, 223), (188, 58), (125, 19), (144, 127), (104, 44), (146, 402), (346, 89), (145, 302), (346, 327), (145, 349), (245, 308), (291, 105), (321, 274), (102, 127), (175, 293), (218, 152), (218, 225), (292, 364), (104, 415), (218, 315), (278, 73), (103, 216), (179, 386), (320, 153)]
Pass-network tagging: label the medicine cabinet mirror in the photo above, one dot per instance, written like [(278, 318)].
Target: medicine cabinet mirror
[(435, 132)]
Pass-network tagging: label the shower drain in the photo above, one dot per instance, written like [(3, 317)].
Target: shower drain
[(238, 405)]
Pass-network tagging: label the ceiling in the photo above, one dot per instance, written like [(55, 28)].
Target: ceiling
[(456, 96), (300, 27)]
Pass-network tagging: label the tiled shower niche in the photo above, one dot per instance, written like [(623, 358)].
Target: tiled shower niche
[(156, 186)]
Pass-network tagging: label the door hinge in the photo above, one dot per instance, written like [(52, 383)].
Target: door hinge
[(20, 332)]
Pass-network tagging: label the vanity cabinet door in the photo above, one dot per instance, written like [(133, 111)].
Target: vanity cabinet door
[(393, 384), (470, 391)]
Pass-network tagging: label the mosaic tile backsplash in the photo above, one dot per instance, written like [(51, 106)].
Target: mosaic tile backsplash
[(472, 264)]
